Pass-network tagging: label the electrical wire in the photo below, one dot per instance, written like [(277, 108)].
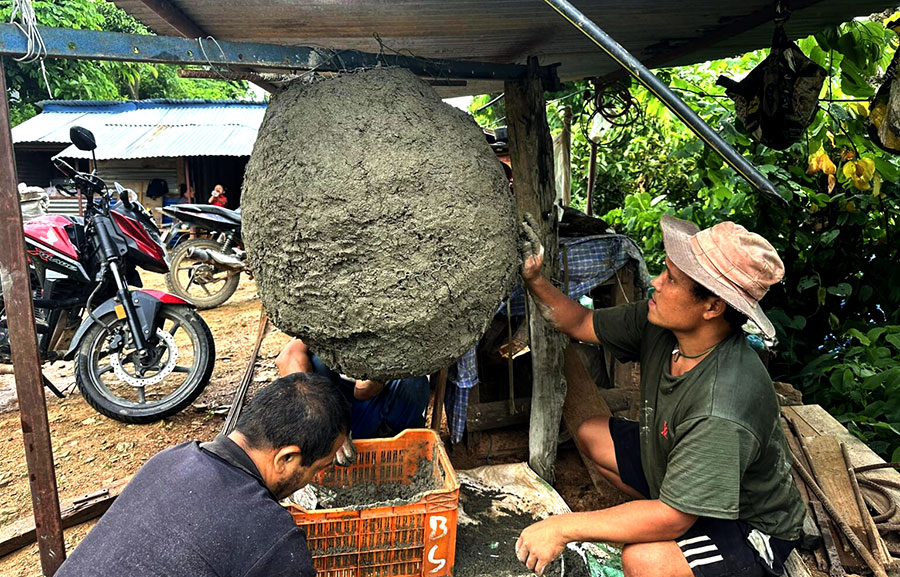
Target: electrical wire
[(35, 48)]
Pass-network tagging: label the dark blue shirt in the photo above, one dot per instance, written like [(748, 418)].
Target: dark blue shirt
[(195, 511)]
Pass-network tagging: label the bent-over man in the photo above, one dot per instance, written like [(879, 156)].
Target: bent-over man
[(707, 461), (211, 509)]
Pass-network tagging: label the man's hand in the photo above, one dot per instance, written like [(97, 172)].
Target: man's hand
[(346, 455), (541, 543), (532, 251), (365, 390)]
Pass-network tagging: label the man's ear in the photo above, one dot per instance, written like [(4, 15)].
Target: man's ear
[(286, 456), (715, 308)]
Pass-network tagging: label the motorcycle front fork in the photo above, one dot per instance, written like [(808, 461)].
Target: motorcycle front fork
[(126, 309)]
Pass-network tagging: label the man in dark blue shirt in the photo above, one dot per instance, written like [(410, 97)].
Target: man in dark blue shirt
[(211, 509)]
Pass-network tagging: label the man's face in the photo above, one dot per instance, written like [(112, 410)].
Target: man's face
[(296, 476), (673, 305)]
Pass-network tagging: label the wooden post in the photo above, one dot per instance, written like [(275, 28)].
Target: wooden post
[(437, 409), (26, 358), (531, 154)]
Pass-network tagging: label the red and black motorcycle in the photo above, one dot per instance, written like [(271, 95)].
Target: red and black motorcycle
[(140, 355)]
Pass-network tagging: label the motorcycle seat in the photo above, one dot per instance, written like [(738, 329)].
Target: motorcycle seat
[(206, 209)]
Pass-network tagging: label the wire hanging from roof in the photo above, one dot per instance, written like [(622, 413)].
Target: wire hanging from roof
[(36, 50)]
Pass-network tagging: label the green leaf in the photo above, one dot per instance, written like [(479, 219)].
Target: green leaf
[(842, 290), (820, 295), (865, 293), (829, 236), (807, 282), (894, 340), (886, 169), (859, 336)]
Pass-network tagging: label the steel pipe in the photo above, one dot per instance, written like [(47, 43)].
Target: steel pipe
[(684, 112)]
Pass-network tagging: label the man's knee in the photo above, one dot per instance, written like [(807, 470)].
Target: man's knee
[(660, 559), (594, 436)]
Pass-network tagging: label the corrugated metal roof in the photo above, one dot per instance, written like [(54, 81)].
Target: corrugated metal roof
[(149, 128)]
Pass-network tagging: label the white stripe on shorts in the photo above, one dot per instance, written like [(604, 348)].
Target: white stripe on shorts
[(692, 540), (698, 550), (707, 561)]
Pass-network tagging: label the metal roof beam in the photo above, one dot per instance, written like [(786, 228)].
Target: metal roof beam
[(95, 45), (189, 29)]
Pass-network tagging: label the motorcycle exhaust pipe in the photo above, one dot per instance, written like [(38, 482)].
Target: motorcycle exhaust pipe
[(216, 257)]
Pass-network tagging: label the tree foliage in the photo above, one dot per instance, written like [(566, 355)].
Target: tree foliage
[(90, 80), (837, 313)]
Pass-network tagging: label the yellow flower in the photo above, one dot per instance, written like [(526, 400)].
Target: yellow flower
[(860, 173), (819, 160)]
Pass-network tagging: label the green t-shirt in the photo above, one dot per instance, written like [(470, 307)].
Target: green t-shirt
[(711, 439)]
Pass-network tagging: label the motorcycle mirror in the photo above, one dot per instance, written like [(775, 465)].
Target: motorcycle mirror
[(82, 138)]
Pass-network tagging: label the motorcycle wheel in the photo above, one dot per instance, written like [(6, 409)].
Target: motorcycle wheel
[(182, 364), (205, 285)]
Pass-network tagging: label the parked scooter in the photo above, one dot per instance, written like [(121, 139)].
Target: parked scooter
[(140, 355), (206, 271)]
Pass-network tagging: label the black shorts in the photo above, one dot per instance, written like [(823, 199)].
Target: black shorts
[(712, 547)]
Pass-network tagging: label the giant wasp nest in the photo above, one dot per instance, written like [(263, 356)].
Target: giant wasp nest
[(379, 225)]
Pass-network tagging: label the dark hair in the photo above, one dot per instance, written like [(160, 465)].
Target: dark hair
[(733, 317), (302, 409)]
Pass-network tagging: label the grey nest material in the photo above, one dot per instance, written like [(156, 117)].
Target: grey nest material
[(379, 224)]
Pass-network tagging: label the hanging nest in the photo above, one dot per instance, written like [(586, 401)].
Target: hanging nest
[(378, 223)]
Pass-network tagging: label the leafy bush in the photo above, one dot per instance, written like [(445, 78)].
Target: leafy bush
[(859, 380)]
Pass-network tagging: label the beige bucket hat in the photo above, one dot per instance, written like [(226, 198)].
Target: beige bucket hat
[(735, 264)]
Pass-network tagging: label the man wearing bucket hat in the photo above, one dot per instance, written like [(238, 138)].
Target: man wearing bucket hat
[(707, 462)]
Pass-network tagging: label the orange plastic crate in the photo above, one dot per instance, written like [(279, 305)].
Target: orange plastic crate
[(412, 540)]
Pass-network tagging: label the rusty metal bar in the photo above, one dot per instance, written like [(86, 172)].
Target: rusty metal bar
[(26, 359)]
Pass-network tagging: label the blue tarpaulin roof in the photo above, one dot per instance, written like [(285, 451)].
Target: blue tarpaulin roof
[(148, 128)]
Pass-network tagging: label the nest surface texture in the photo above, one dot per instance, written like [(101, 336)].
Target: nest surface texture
[(379, 224)]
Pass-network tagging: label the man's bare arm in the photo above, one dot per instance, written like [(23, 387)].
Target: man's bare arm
[(642, 521), (566, 315)]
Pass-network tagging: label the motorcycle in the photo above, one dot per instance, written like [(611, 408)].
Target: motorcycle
[(140, 355), (206, 271)]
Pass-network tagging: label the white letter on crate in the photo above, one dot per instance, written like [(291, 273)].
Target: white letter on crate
[(438, 563), (438, 522)]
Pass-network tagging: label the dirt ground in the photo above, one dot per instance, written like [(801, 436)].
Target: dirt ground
[(91, 451)]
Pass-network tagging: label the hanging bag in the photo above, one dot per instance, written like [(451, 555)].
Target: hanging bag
[(778, 99)]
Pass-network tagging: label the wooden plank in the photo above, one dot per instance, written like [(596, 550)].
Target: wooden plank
[(834, 560), (531, 155), (827, 461), (810, 529), (795, 566), (14, 277), (820, 422), (803, 428), (583, 401), (74, 512), (495, 415)]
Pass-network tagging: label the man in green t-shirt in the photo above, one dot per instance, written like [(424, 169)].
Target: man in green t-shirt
[(707, 462)]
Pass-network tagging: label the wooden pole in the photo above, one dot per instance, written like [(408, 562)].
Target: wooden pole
[(437, 409), (26, 358), (531, 154), (592, 175)]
